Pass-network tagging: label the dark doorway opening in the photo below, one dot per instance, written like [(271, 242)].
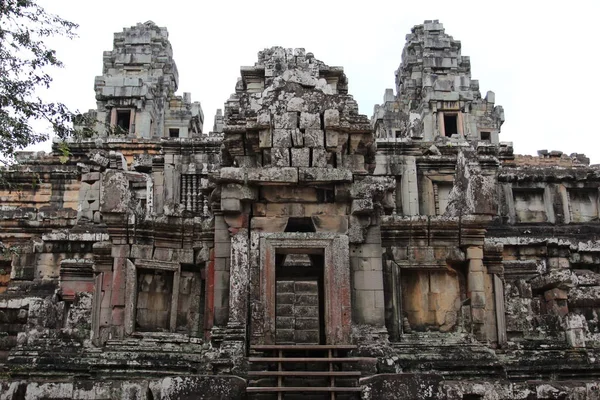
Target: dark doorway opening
[(300, 294), (450, 124)]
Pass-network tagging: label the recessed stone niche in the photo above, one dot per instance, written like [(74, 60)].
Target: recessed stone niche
[(442, 194), (529, 205), (583, 205), (432, 299)]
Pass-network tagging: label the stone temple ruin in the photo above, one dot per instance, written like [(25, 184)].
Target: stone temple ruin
[(299, 249)]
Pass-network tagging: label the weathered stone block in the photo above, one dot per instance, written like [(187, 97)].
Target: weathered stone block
[(90, 177), (362, 206), (324, 175), (286, 120), (303, 324), (285, 335), (331, 138), (238, 191), (163, 254), (332, 118), (285, 286), (305, 300), (475, 253), (306, 287), (120, 251), (280, 157), (314, 138), (282, 138), (307, 337), (285, 298), (330, 223), (265, 138), (285, 310), (297, 138), (273, 175), (319, 157), (310, 121), (231, 205), (286, 323), (556, 294), (141, 251), (301, 157), (269, 224)]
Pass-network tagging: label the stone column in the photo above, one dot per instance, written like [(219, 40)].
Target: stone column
[(367, 271), (476, 288), (239, 276), (221, 271), (410, 190)]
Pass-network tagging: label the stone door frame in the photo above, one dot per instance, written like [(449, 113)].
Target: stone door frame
[(132, 292), (336, 280)]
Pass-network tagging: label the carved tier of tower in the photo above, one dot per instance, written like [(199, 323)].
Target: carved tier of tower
[(435, 95)]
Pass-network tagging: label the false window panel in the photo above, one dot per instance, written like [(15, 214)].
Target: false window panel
[(583, 205), (153, 305), (529, 205)]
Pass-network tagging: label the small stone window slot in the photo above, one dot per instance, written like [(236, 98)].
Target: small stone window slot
[(486, 136), (325, 196), (300, 224), (450, 124), (174, 132), (123, 120)]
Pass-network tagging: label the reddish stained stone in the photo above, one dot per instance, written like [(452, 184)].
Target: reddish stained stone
[(70, 288), (118, 316), (118, 282)]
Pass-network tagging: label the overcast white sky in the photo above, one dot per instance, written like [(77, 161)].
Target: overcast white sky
[(539, 57)]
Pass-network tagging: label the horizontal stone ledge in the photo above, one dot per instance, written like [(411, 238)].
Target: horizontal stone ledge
[(309, 174), (284, 175), (259, 175), (153, 264)]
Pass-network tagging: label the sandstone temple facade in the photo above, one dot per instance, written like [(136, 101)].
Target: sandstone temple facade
[(298, 249)]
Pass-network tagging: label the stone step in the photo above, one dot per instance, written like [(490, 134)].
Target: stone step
[(302, 389), (304, 373), (308, 359), (263, 347)]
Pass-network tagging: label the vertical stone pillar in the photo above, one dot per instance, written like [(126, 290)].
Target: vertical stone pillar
[(221, 271), (476, 288), (410, 190), (367, 271), (500, 312), (239, 277)]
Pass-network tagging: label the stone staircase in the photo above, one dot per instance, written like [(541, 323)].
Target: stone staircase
[(304, 372)]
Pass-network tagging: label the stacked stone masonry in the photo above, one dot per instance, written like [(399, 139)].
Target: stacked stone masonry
[(156, 259)]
